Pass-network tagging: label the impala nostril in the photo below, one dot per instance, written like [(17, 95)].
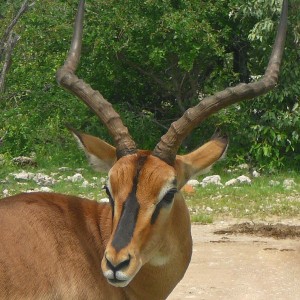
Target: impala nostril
[(109, 264), (123, 264), (118, 266)]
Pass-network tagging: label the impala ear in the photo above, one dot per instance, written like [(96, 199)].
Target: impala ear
[(202, 159), (100, 154)]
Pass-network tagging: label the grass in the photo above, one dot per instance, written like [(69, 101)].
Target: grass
[(94, 190), (259, 200)]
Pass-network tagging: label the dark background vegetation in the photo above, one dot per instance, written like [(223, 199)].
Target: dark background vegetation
[(152, 59)]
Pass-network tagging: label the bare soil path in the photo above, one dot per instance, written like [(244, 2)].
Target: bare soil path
[(239, 267)]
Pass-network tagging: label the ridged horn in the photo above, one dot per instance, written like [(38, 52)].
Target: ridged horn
[(168, 146), (103, 109)]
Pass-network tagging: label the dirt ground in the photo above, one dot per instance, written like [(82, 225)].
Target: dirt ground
[(262, 264)]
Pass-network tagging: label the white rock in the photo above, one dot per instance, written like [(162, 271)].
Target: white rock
[(39, 178), (85, 184), (255, 174), (45, 189), (274, 182), (193, 182), (43, 179), (241, 179), (209, 209), (103, 200), (64, 169), (33, 190), (231, 182), (243, 167), (75, 178), (244, 179), (23, 175), (24, 161), (289, 183), (5, 193), (214, 179)]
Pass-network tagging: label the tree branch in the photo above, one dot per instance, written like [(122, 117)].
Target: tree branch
[(8, 49), (25, 6), (9, 41), (152, 119), (135, 66)]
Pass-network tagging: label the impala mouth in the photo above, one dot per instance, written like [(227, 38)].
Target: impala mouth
[(117, 282)]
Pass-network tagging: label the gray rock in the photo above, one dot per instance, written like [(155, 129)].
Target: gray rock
[(241, 179), (23, 175), (214, 179), (244, 179), (289, 183), (274, 183), (193, 182), (24, 161), (75, 178), (231, 182)]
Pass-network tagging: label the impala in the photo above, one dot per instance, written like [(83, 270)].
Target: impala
[(139, 245)]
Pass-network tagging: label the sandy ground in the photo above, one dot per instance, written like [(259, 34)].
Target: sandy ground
[(240, 267)]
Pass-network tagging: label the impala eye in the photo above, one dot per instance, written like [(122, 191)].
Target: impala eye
[(169, 196), (111, 200), (165, 201)]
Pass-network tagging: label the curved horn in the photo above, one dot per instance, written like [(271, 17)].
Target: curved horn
[(66, 77), (168, 146)]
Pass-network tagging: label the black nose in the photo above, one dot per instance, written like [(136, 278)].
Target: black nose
[(119, 266)]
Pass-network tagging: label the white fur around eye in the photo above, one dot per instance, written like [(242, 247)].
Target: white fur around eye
[(167, 187)]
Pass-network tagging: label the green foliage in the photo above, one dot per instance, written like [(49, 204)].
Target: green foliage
[(272, 121), (152, 60)]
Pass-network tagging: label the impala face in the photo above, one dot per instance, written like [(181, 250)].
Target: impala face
[(141, 189)]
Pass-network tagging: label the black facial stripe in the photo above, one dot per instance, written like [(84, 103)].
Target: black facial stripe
[(130, 211), (127, 222), (156, 212)]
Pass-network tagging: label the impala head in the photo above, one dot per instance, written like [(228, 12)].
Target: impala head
[(143, 186), (144, 192)]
